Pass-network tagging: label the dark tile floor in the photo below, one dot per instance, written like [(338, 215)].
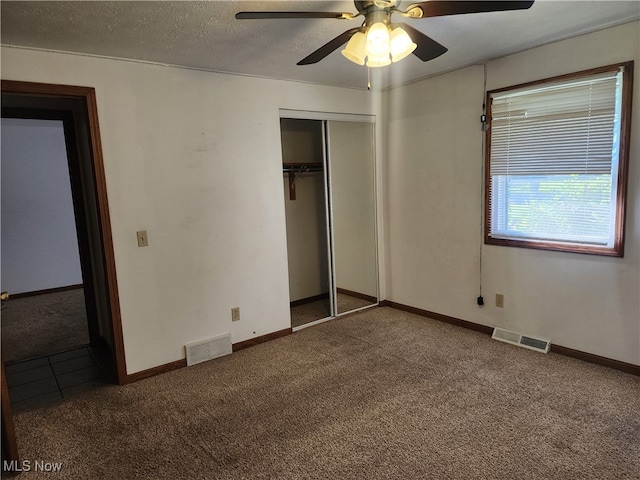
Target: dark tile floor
[(46, 380)]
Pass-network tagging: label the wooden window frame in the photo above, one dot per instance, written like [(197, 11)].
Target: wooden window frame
[(617, 250)]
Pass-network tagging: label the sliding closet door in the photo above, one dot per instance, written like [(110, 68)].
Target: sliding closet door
[(352, 200), (304, 183)]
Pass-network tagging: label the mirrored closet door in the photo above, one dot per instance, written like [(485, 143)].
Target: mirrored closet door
[(352, 182), (329, 191)]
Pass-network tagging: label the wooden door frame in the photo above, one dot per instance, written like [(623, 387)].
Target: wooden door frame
[(88, 96), (9, 443)]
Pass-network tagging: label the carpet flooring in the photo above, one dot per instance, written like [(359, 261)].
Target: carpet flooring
[(381, 394), (43, 325)]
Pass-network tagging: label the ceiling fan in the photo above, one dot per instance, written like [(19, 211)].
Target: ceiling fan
[(378, 42)]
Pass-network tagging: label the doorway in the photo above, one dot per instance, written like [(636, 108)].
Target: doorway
[(46, 312), (74, 108), (47, 324), (329, 190)]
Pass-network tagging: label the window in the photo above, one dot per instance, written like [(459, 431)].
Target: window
[(557, 155)]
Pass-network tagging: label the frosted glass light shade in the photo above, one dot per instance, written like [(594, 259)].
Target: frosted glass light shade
[(355, 49), (379, 46), (381, 61), (401, 44), (378, 41)]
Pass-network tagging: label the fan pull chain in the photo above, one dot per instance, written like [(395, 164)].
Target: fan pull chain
[(368, 78)]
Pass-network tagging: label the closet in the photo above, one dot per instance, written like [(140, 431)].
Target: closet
[(329, 192)]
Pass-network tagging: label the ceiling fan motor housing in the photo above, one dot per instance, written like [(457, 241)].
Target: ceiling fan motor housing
[(368, 6), (376, 16)]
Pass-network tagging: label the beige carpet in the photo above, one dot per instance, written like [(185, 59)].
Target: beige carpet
[(382, 394), (43, 325)]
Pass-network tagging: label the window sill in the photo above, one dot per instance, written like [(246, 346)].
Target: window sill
[(615, 251)]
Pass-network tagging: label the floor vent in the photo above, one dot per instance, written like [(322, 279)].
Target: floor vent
[(537, 344), (208, 349)]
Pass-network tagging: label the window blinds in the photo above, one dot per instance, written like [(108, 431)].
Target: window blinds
[(553, 161), (560, 128)]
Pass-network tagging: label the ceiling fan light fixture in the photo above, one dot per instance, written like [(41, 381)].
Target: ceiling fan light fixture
[(355, 49), (377, 42), (401, 44)]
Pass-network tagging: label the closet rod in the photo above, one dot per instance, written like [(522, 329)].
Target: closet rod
[(302, 168), (294, 169)]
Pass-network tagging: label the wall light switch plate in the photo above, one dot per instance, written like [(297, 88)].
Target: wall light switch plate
[(499, 300), (235, 314), (143, 240)]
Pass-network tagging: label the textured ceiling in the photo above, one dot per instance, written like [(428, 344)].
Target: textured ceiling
[(206, 35)]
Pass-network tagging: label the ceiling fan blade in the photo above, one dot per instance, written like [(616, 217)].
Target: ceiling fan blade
[(274, 15), (438, 8), (327, 48), (428, 48)]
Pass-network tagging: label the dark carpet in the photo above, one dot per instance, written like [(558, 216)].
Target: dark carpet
[(42, 325), (382, 394)]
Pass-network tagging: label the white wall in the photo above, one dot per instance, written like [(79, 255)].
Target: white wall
[(193, 158), (39, 241), (589, 303)]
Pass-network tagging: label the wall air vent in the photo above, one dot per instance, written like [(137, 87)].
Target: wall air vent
[(537, 344), (209, 349)]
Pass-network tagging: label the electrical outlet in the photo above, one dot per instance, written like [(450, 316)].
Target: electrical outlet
[(235, 314), (499, 300), (143, 240)]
